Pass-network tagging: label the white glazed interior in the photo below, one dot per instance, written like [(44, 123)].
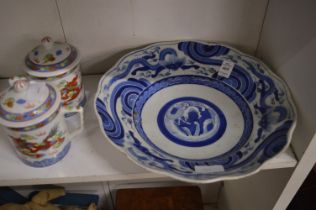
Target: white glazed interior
[(229, 139)]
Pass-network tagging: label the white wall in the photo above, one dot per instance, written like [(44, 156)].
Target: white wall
[(102, 29), (22, 24), (288, 44), (257, 192)]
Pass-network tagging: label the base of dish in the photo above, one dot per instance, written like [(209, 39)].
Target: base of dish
[(49, 161)]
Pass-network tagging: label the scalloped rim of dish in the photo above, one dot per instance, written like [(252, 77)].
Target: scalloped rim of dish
[(220, 178)]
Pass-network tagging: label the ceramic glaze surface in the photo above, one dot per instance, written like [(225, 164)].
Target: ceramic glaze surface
[(41, 146), (51, 56), (55, 54), (40, 136), (191, 121), (167, 108), (57, 63), (31, 102), (51, 59), (70, 86)]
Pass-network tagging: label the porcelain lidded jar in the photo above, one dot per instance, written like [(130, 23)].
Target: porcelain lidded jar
[(34, 121), (58, 64)]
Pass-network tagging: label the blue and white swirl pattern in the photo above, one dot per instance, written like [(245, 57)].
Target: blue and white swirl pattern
[(166, 107), (126, 92), (160, 85)]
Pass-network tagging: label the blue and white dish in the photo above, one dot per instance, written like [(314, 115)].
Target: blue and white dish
[(169, 110)]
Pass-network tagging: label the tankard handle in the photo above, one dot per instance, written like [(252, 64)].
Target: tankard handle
[(78, 110)]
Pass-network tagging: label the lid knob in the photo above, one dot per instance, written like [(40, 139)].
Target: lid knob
[(19, 84), (47, 42)]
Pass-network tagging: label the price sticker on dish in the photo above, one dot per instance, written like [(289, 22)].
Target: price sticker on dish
[(209, 169), (226, 68)]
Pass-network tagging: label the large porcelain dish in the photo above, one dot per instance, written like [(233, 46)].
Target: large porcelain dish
[(169, 110)]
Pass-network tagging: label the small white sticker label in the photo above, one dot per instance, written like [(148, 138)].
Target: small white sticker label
[(226, 69), (209, 169)]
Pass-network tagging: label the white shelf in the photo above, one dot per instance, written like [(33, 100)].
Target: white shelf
[(91, 158)]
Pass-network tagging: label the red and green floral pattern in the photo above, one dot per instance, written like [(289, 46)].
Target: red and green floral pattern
[(27, 144), (70, 90)]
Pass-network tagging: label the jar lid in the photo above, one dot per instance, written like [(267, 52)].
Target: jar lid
[(26, 102), (51, 58)]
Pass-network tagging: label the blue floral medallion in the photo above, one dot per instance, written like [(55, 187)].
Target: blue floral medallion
[(170, 111), (191, 121)]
